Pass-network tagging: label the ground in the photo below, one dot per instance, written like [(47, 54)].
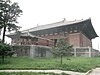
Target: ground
[(77, 64)]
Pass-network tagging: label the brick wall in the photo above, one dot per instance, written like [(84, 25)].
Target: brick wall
[(54, 36), (74, 39), (85, 41), (79, 40)]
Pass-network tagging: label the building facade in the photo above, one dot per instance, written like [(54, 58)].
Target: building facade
[(78, 33)]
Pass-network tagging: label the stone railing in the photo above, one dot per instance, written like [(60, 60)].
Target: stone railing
[(85, 52)]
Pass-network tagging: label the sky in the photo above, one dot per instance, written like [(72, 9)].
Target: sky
[(43, 12)]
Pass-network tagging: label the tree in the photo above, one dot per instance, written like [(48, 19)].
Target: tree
[(9, 12), (62, 49), (5, 50)]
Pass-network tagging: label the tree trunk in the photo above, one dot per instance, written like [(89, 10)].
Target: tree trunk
[(61, 59), (3, 38)]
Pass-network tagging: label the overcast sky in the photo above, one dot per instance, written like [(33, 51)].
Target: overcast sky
[(48, 11)]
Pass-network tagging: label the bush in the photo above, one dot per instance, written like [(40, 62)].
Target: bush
[(5, 50)]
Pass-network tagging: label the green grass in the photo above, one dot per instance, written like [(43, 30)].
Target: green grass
[(28, 73), (77, 64)]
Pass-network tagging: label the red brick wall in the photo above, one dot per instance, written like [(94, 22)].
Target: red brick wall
[(85, 41), (74, 39), (54, 36), (79, 40)]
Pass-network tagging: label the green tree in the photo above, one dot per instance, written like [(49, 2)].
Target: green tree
[(5, 50), (62, 49), (9, 12)]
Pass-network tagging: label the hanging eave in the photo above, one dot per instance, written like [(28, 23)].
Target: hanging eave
[(89, 30)]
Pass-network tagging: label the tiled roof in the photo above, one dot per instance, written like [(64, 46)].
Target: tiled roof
[(32, 36), (52, 25)]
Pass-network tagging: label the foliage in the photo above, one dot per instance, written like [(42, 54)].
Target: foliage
[(62, 49), (9, 12), (5, 50), (77, 64)]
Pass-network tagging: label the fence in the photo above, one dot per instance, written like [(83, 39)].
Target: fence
[(45, 51), (85, 52)]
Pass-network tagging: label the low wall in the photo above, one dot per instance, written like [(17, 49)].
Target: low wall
[(85, 52), (33, 51), (45, 51)]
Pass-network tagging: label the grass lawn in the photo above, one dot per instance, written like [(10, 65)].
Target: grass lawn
[(77, 64), (28, 73)]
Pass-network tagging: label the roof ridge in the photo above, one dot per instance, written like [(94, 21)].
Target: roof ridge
[(42, 25), (55, 24)]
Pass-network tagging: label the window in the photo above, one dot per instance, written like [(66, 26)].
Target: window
[(75, 30), (25, 51)]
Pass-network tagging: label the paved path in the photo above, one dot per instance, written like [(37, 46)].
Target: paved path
[(95, 71), (46, 71), (92, 72)]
